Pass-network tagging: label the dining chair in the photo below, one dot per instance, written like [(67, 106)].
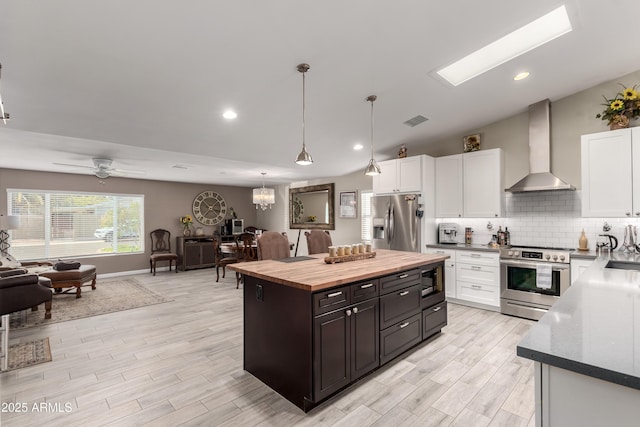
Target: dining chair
[(247, 247), (318, 241), (222, 260), (161, 249), (273, 245)]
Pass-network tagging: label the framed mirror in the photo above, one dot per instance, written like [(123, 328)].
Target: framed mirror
[(312, 207)]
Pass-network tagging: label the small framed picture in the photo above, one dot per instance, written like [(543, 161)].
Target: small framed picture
[(348, 204), (471, 143)]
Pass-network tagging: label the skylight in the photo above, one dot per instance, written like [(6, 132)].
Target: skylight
[(544, 29)]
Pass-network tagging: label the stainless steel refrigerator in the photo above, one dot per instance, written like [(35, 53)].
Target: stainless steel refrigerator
[(396, 222)]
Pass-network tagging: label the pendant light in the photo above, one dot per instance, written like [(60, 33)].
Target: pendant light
[(264, 197), (372, 168), (304, 158)]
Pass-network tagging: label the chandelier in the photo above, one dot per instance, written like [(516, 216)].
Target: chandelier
[(264, 197)]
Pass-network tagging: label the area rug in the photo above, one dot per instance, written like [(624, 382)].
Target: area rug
[(110, 295), (29, 354)]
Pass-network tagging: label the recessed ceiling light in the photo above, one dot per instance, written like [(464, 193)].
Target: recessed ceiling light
[(229, 114), (544, 29), (358, 147), (521, 76)]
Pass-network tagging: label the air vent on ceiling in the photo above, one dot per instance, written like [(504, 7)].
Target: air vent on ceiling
[(180, 167), (415, 121)]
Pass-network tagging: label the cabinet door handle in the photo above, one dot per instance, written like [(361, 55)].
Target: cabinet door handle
[(403, 293), (437, 309), (404, 325), (335, 294), (475, 255), (627, 213), (403, 276), (355, 310), (348, 312), (440, 252), (368, 285), (475, 267), (476, 286)]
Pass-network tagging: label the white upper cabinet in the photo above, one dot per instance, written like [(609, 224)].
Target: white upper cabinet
[(609, 186), (399, 176), (449, 186), (470, 185)]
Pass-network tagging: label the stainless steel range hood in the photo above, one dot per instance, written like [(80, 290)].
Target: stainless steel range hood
[(540, 177)]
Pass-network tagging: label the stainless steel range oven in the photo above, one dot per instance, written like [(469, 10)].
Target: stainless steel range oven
[(532, 279)]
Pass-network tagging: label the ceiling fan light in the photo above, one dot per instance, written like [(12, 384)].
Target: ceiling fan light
[(102, 174), (372, 168)]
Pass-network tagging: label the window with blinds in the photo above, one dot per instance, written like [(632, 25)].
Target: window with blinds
[(365, 214), (61, 225)]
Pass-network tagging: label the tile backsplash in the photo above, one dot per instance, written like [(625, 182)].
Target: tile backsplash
[(549, 218)]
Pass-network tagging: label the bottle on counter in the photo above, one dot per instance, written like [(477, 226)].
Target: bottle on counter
[(507, 237), (583, 242), (500, 236), (467, 235)]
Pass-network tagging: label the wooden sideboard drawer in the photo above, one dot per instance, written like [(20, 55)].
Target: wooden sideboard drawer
[(399, 280), (332, 299), (399, 305), (400, 337)]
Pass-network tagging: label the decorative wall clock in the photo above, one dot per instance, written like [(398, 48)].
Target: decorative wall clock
[(209, 208), (298, 209)]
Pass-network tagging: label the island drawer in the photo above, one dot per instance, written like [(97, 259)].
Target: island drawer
[(365, 290), (399, 305), (399, 280), (433, 319), (331, 299), (400, 337)]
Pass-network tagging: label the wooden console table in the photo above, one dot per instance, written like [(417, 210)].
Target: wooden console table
[(195, 252)]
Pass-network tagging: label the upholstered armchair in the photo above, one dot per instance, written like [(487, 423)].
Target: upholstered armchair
[(19, 291), (272, 245)]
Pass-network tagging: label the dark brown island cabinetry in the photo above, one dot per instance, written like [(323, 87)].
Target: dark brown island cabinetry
[(309, 344), (195, 252)]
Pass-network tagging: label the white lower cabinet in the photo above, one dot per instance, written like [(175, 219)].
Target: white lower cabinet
[(478, 278), (578, 266)]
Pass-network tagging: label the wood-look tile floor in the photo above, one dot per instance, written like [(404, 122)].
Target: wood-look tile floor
[(180, 363)]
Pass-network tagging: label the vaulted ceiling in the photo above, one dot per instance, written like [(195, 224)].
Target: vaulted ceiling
[(145, 82)]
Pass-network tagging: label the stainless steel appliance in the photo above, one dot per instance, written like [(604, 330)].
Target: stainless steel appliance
[(396, 222), (525, 289), (447, 232), (233, 227)]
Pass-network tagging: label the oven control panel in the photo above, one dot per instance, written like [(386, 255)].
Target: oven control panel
[(536, 254)]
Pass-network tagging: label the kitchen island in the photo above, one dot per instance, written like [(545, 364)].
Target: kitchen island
[(311, 328), (587, 349)]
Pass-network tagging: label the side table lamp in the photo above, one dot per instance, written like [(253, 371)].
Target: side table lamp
[(7, 223)]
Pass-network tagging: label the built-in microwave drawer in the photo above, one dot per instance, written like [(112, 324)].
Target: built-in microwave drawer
[(399, 305), (329, 300), (363, 291), (400, 337), (433, 319), (401, 280)]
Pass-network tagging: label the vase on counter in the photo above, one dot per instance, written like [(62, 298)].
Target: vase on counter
[(583, 242), (186, 232), (619, 121)]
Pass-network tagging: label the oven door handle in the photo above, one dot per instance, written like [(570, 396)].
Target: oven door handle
[(532, 264)]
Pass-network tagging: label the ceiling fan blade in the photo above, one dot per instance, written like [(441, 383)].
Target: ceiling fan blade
[(127, 171), (74, 166)]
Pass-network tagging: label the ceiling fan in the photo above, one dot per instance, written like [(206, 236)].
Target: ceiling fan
[(102, 168)]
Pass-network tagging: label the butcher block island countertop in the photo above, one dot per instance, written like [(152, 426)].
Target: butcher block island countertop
[(314, 274)]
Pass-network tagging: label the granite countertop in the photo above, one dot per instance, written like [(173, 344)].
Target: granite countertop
[(462, 246), (594, 328)]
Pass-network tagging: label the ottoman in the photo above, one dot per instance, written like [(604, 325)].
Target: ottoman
[(71, 278)]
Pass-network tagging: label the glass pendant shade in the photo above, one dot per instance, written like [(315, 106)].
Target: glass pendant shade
[(264, 197)]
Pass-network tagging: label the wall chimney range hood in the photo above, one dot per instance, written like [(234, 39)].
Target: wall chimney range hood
[(540, 177)]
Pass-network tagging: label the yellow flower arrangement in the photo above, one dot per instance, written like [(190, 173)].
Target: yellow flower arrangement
[(186, 221), (623, 107)]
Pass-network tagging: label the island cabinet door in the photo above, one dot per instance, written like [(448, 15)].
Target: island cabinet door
[(365, 354), (332, 342)]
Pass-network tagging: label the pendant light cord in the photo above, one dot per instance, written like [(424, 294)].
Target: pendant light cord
[(303, 109), (372, 128)]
